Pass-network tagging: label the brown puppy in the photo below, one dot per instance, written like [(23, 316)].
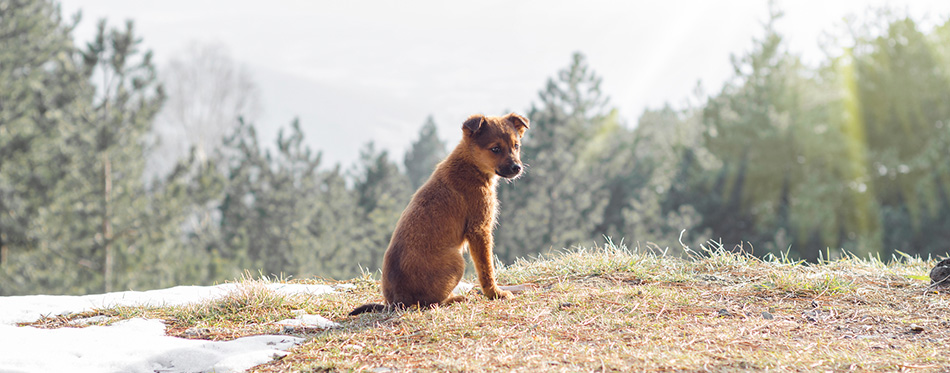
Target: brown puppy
[(424, 263)]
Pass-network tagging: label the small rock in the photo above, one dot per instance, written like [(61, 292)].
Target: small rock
[(812, 316), (89, 320), (196, 332), (916, 329), (565, 305), (724, 312), (767, 316), (940, 274)]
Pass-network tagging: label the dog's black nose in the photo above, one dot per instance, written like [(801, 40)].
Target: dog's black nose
[(515, 168)]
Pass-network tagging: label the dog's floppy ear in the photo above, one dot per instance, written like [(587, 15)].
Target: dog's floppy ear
[(473, 124), (520, 122)]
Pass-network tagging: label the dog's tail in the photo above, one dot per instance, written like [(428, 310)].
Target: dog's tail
[(370, 307)]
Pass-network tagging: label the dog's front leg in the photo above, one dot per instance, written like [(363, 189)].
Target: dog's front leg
[(480, 247)]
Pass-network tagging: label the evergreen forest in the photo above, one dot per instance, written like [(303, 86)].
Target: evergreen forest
[(809, 161)]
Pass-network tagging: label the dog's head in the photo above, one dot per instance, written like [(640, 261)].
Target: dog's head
[(496, 143)]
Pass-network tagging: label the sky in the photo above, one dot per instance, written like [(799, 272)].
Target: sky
[(359, 71)]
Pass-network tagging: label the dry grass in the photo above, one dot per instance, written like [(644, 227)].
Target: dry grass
[(613, 309)]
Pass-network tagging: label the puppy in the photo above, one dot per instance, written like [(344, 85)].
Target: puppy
[(456, 206)]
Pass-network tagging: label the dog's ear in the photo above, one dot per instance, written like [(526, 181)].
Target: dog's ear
[(473, 124), (520, 122)]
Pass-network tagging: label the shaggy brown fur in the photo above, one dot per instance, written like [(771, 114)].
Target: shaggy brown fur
[(424, 263)]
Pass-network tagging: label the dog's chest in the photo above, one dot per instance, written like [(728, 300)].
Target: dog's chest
[(488, 207)]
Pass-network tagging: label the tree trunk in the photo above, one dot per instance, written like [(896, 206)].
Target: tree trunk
[(107, 223)]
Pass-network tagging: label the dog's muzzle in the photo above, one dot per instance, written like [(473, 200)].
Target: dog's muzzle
[(510, 171)]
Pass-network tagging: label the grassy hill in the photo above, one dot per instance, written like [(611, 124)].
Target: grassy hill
[(614, 309)]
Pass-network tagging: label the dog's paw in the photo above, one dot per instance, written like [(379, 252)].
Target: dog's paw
[(501, 294)]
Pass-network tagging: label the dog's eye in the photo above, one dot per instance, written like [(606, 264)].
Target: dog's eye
[(496, 149)]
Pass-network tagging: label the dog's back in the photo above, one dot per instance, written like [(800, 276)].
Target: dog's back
[(414, 269)]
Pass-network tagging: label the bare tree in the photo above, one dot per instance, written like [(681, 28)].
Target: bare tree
[(206, 94)]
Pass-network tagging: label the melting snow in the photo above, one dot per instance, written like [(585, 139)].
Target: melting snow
[(136, 345)]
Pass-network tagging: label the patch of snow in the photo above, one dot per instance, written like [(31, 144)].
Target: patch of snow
[(136, 345), (300, 289), (462, 288), (307, 321), (31, 307)]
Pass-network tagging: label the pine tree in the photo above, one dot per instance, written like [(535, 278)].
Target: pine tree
[(901, 96), (41, 91), (336, 225), (268, 202), (560, 199), (427, 151), (660, 179), (98, 226), (105, 183), (759, 126), (381, 192)]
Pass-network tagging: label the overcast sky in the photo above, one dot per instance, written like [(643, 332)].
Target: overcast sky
[(355, 71)]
